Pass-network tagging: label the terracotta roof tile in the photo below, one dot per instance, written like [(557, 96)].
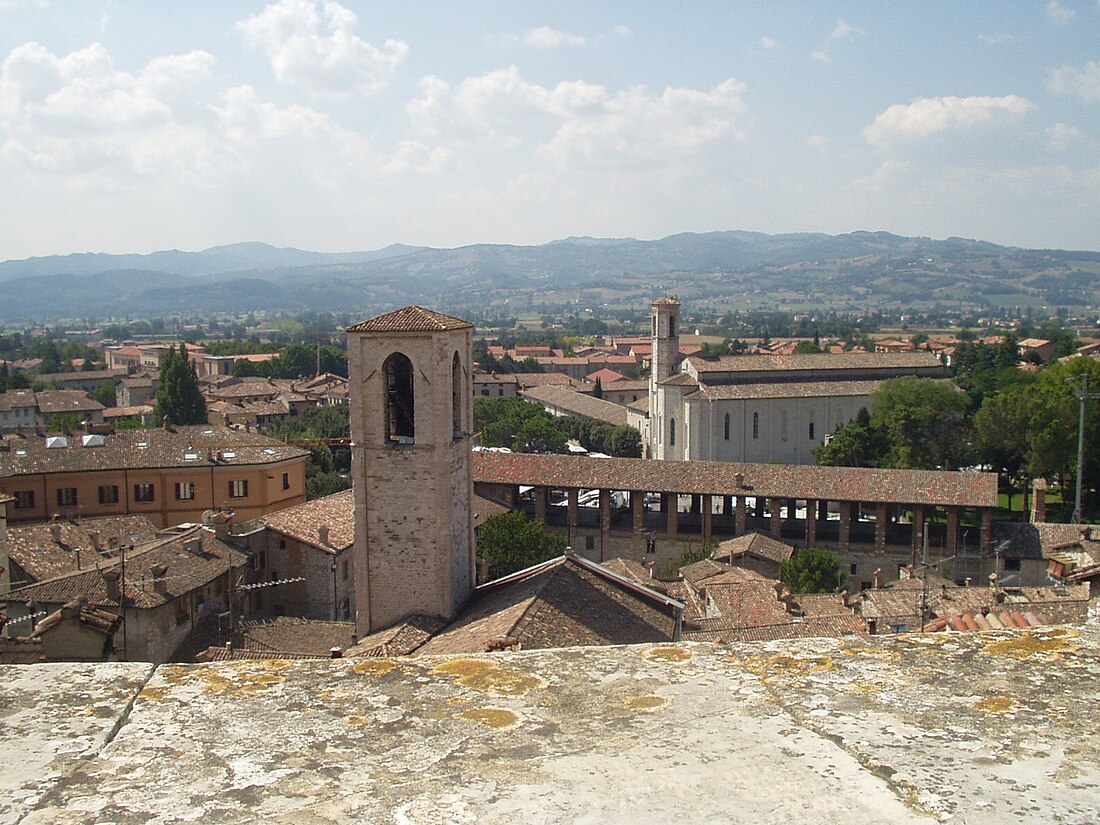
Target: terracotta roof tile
[(753, 544), (411, 319), (34, 549), (302, 522), (720, 478), (794, 389), (815, 361), (578, 403)]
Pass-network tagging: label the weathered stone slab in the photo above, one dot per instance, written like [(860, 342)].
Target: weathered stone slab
[(973, 728)]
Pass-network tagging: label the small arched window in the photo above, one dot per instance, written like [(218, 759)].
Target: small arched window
[(726, 428), (783, 425), (456, 397), (672, 432), (397, 371), (671, 326), (756, 425)]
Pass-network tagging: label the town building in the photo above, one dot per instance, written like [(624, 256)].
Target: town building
[(164, 589), (170, 475), (24, 410), (756, 408)]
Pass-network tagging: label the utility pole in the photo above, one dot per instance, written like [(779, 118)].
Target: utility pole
[(1080, 387)]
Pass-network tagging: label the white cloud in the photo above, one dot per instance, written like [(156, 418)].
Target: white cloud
[(999, 39), (882, 177), (544, 37), (623, 30), (6, 5), (1059, 14), (578, 123), (818, 142), (844, 31), (78, 114), (938, 114), (1061, 136), (769, 42), (821, 57), (1084, 81), (314, 45)]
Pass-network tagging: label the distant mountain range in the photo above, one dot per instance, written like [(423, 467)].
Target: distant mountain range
[(733, 269)]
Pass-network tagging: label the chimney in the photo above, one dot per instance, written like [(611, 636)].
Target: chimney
[(159, 572), (877, 576), (968, 580), (1086, 532), (778, 586), (110, 579), (97, 541), (739, 481), (193, 545), (55, 532), (221, 521), (1039, 501), (322, 534)]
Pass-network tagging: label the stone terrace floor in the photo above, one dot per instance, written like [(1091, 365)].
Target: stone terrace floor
[(968, 728)]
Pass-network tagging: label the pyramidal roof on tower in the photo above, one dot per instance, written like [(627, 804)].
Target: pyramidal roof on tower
[(411, 319), (667, 300)]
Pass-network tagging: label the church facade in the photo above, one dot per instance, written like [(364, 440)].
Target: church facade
[(756, 408)]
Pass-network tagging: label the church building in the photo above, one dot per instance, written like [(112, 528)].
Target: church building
[(756, 408)]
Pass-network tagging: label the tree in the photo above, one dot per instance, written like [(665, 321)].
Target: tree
[(179, 399), (811, 570), (510, 541), (105, 395), (597, 391), (1001, 435), (857, 444), (806, 348), (924, 421), (67, 423)]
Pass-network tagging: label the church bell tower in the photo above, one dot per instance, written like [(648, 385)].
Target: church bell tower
[(411, 397)]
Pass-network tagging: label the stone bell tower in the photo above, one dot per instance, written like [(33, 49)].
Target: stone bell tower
[(411, 397), (664, 361)]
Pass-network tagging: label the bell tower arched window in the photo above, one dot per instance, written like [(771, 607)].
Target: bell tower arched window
[(756, 425), (456, 396), (726, 428), (397, 371), (672, 432)]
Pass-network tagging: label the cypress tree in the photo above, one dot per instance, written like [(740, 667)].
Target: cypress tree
[(178, 398)]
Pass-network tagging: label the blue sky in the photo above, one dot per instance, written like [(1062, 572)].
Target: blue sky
[(133, 126)]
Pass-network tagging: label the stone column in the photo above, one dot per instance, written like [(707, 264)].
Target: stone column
[(987, 531), (811, 522), (740, 522), (881, 514), (605, 518), (918, 528), (952, 530), (668, 504), (637, 509), (845, 526), (708, 517), (775, 527), (574, 509), (542, 501)]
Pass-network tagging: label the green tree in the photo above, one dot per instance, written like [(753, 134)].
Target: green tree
[(806, 348), (1001, 429), (925, 422), (857, 444), (179, 399), (517, 424), (597, 391), (67, 423), (510, 541), (105, 395), (811, 570)]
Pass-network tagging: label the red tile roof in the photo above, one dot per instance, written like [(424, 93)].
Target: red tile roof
[(721, 478), (411, 319)]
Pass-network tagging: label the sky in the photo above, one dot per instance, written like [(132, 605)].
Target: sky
[(133, 126)]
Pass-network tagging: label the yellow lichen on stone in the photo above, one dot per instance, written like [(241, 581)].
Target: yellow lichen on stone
[(374, 667), (781, 665), (356, 721), (667, 653), (1050, 642), (643, 704), (154, 693), (862, 650), (487, 676), (491, 717), (996, 704), (242, 683)]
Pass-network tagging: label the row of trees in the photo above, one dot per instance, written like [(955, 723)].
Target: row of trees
[(525, 427), (1022, 425)]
